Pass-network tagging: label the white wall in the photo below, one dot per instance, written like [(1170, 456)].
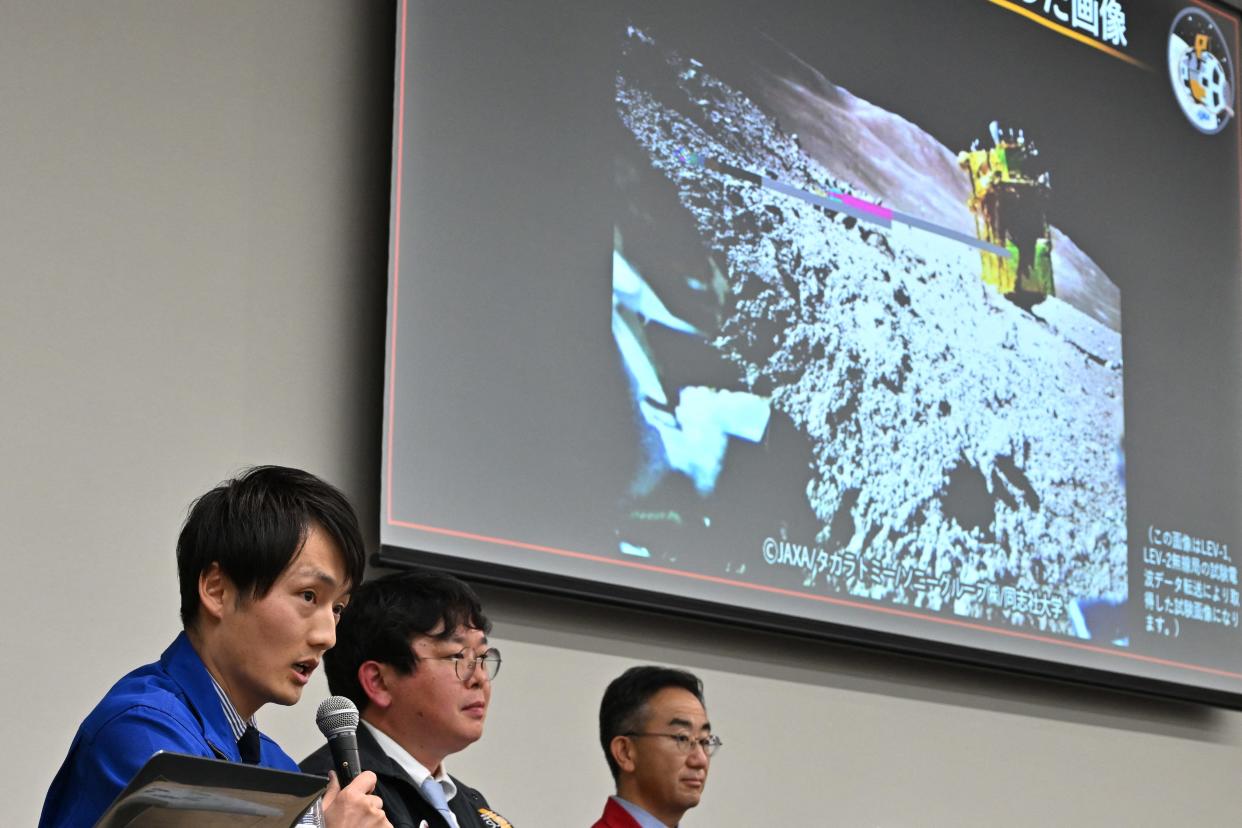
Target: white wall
[(193, 208)]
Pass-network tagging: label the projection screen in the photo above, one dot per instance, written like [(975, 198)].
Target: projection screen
[(908, 323)]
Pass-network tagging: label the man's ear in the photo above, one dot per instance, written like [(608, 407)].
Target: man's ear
[(622, 749), (373, 677), (215, 591)]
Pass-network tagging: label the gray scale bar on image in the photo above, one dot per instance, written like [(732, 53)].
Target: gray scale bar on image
[(923, 224), (862, 215), (827, 203)]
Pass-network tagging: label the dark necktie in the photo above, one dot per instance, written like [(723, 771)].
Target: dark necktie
[(248, 745)]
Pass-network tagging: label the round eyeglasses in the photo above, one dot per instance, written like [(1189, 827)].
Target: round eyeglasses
[(464, 665), (686, 743)]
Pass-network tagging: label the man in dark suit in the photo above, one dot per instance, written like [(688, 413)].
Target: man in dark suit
[(654, 730), (412, 654)]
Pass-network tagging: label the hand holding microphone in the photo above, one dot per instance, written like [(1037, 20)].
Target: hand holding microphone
[(348, 802)]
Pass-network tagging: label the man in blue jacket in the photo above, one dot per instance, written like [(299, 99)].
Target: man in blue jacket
[(265, 563)]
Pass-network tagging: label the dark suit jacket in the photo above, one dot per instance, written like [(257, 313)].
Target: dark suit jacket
[(615, 817), (403, 804)]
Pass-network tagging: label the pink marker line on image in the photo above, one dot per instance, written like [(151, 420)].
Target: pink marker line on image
[(865, 206)]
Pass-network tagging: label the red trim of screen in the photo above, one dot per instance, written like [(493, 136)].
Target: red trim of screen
[(396, 261), (825, 599)]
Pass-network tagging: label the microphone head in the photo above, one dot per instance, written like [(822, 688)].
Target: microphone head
[(336, 715)]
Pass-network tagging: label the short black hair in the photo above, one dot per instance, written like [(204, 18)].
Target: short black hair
[(623, 707), (384, 615), (254, 525)]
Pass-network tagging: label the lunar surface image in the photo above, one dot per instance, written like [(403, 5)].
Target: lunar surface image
[(921, 440)]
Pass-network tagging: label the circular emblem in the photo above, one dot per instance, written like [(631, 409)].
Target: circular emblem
[(1202, 70)]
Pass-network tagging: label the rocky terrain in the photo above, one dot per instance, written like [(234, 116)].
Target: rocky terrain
[(951, 432)]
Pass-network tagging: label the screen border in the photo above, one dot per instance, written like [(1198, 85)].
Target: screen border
[(667, 604)]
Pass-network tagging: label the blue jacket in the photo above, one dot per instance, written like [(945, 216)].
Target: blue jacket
[(169, 705)]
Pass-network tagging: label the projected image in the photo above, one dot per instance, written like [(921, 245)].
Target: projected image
[(860, 362), (922, 321)]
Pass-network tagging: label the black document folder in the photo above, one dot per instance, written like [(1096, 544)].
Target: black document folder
[(176, 791)]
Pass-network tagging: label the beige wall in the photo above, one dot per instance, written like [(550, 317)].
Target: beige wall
[(193, 214)]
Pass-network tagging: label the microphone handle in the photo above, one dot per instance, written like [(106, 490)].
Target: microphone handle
[(344, 749)]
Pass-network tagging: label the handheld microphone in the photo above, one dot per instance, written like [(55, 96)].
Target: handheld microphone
[(337, 719)]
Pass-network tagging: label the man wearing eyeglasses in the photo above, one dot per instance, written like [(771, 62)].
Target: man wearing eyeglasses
[(412, 654), (654, 730)]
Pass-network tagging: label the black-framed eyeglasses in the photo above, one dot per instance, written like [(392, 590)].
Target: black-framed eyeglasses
[(686, 743), (464, 665)]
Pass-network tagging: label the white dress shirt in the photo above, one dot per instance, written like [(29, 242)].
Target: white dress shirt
[(412, 767)]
